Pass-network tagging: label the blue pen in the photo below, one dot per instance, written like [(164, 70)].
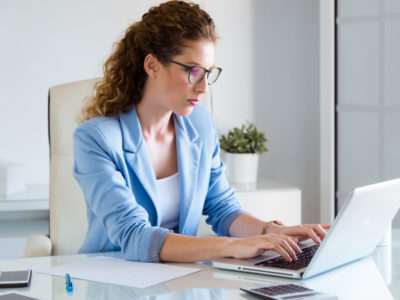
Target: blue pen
[(68, 283)]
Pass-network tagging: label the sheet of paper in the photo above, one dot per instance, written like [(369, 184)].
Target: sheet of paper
[(118, 271)]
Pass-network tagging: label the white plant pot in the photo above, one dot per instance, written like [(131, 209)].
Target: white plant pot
[(241, 167)]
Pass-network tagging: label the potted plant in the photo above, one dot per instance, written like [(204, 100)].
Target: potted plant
[(242, 147)]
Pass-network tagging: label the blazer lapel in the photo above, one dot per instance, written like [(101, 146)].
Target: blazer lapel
[(137, 155), (188, 147), (189, 150)]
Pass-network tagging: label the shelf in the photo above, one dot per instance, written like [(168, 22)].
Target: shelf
[(27, 205), (23, 228), (32, 192), (263, 185), (34, 198)]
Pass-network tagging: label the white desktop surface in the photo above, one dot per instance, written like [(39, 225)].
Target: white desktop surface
[(358, 280)]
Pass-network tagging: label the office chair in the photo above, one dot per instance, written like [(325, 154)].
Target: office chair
[(68, 222)]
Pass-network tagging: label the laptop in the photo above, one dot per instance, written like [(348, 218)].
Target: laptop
[(354, 234)]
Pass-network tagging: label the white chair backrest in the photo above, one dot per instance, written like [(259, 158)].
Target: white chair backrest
[(68, 221)]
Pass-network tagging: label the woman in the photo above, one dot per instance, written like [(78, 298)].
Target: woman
[(147, 155)]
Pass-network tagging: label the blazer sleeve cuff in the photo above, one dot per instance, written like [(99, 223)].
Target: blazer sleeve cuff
[(156, 242), (226, 224)]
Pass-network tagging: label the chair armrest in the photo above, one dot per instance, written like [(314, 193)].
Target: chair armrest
[(38, 245)]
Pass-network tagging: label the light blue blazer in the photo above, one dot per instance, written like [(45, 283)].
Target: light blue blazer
[(113, 168)]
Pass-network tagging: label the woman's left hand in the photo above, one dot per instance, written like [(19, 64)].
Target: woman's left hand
[(302, 232)]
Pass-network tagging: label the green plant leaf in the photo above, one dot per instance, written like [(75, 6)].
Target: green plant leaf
[(246, 139)]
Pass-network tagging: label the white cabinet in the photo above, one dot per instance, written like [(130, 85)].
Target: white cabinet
[(21, 215), (267, 200)]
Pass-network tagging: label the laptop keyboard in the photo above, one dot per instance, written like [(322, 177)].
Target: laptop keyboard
[(303, 259)]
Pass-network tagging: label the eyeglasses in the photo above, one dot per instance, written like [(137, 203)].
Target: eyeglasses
[(196, 73)]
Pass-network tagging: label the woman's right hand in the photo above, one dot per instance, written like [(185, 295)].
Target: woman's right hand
[(253, 246)]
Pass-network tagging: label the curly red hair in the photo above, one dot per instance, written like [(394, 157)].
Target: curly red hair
[(163, 31)]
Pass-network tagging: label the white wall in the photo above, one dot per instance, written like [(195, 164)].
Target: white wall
[(287, 94), (368, 102), (44, 43)]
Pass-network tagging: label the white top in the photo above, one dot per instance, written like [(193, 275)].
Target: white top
[(168, 192)]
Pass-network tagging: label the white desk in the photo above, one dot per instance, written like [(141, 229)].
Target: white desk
[(358, 280)]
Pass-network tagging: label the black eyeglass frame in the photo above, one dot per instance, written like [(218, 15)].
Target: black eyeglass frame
[(189, 68)]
